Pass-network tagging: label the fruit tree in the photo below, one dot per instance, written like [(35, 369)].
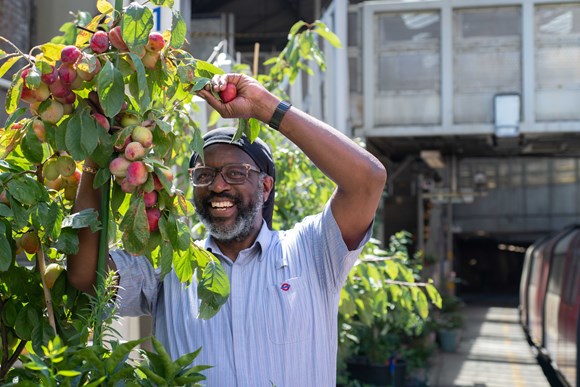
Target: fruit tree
[(113, 91)]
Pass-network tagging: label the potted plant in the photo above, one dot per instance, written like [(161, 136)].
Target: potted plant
[(383, 306), (449, 321)]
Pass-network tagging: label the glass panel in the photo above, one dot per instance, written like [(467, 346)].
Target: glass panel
[(489, 23), (407, 65), (557, 67), (484, 70), (409, 71), (353, 29), (557, 29), (408, 27), (487, 60), (354, 82), (557, 20)]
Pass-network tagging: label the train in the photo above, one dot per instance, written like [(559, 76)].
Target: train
[(549, 307)]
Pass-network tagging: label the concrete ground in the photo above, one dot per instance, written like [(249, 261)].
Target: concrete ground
[(493, 352)]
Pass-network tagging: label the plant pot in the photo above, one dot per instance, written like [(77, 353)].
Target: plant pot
[(449, 339), (378, 374)]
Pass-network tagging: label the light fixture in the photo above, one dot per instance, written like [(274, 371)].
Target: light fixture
[(506, 111), (433, 159)]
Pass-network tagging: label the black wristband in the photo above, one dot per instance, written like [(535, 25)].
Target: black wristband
[(281, 109)]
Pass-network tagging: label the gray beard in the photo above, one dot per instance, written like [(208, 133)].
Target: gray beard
[(241, 228)]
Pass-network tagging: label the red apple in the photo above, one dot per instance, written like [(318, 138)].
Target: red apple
[(229, 93), (116, 39), (153, 215), (70, 54), (99, 42)]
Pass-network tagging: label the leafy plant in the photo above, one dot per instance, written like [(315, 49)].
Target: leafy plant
[(450, 316), (383, 301)]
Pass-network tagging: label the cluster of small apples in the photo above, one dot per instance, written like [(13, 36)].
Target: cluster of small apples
[(62, 172), (50, 92), (130, 170)]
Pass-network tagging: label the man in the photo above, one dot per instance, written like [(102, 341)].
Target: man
[(279, 326)]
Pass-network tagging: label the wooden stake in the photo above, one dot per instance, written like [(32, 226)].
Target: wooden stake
[(256, 57)]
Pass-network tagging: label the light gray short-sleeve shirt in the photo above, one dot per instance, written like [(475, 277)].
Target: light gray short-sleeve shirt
[(279, 325)]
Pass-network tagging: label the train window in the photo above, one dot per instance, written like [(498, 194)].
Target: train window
[(557, 265), (570, 292)]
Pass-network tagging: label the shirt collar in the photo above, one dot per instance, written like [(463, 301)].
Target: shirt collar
[(263, 242)]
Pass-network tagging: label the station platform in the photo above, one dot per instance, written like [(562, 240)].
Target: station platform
[(493, 352)]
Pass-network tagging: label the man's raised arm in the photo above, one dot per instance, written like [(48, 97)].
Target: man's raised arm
[(359, 176)]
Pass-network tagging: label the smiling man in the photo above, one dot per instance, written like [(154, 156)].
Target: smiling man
[(279, 326)]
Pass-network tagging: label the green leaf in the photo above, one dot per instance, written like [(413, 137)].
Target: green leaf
[(156, 379), (68, 373), (8, 64), (163, 125), (111, 89), (187, 359), (168, 366), (5, 253), (137, 24), (27, 190), (104, 150), (119, 354), (81, 134), (117, 198), (32, 147), (253, 129), (32, 79), (104, 6), (15, 116), (162, 178), (51, 216), (165, 3), (6, 211), (169, 230), (67, 242), (88, 217), (183, 266), (434, 295), (102, 176), (13, 94), (51, 52), (165, 259), (178, 30), (28, 318), (88, 355), (60, 134), (142, 93), (213, 289), (422, 305), (392, 269), (207, 70), (10, 312), (322, 30), (135, 227), (296, 27)]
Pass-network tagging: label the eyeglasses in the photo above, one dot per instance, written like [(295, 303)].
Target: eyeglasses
[(233, 174)]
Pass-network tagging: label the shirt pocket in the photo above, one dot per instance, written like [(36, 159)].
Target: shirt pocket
[(287, 311)]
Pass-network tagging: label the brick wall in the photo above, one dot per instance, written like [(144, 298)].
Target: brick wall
[(16, 26)]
